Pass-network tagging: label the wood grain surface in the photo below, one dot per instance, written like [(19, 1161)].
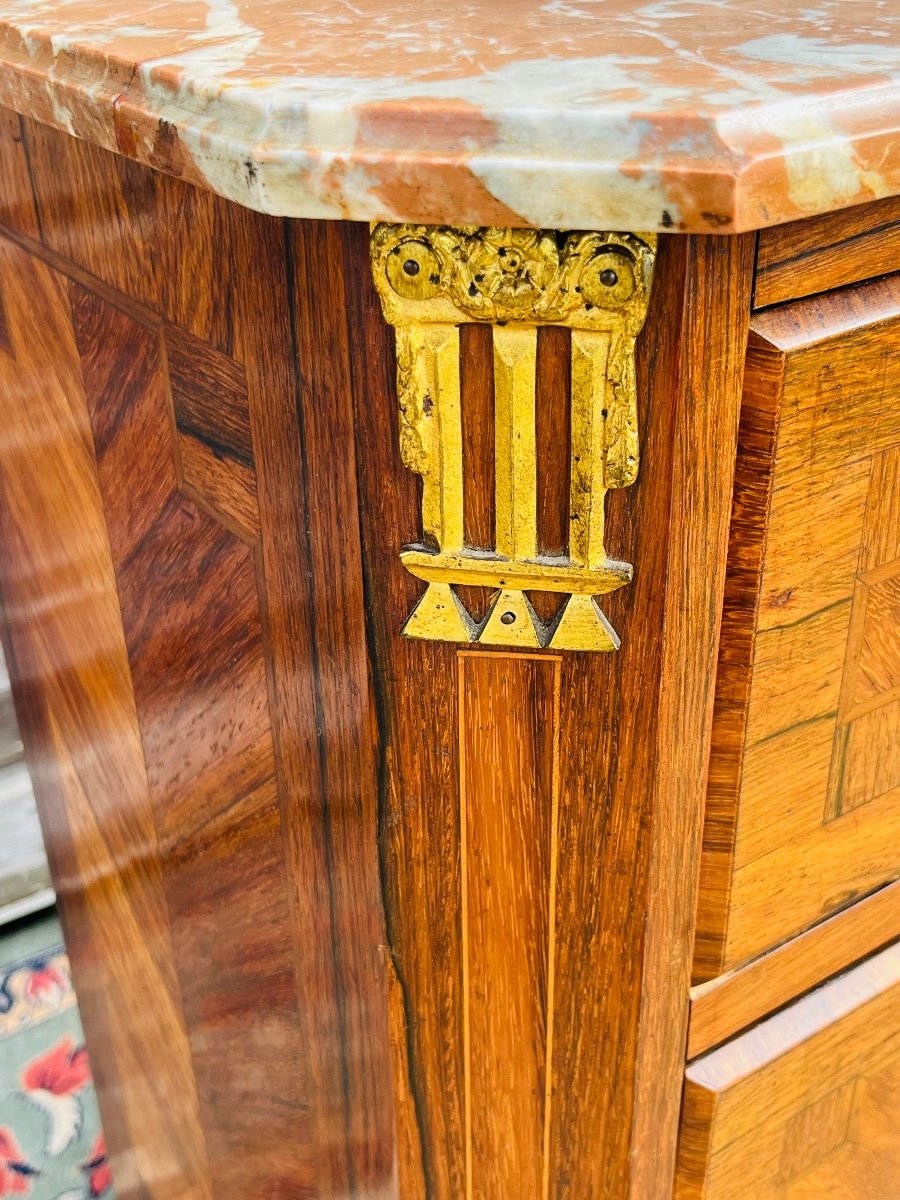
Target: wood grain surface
[(609, 1009), (190, 610), (240, 879), (314, 548), (802, 258), (508, 795), (706, 403), (472, 875), (416, 702), (803, 811), (68, 660), (733, 1001), (17, 198), (806, 1104)]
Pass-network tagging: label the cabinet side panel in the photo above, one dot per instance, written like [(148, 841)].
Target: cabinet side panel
[(190, 607), (215, 367), (73, 688)]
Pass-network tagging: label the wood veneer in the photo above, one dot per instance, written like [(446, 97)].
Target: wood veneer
[(802, 814), (609, 1010), (805, 1104), (236, 890), (733, 1001), (17, 199), (253, 500), (509, 815), (451, 894), (68, 660), (803, 258), (710, 368)]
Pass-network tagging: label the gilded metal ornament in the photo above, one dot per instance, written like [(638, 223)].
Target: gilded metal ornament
[(432, 279)]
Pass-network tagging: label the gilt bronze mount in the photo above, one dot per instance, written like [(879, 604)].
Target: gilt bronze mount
[(432, 279)]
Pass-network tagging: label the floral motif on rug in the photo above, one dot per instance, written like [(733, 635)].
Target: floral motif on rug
[(51, 1144)]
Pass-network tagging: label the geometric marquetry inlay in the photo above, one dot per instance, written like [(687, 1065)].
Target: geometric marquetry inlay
[(818, 1130), (865, 761), (876, 678), (803, 809)]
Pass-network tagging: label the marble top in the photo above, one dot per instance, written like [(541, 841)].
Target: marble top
[(710, 115)]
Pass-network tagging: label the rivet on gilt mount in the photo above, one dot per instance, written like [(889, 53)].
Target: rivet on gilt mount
[(432, 279)]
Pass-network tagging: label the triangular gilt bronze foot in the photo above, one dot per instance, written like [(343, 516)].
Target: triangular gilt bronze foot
[(583, 626), (441, 616)]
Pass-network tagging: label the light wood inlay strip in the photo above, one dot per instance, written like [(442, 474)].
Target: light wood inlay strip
[(551, 951), (509, 707), (464, 913)]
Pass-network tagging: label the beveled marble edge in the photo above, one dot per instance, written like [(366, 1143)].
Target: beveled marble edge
[(737, 170)]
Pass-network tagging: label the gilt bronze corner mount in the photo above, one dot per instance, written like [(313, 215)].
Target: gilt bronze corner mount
[(432, 279)]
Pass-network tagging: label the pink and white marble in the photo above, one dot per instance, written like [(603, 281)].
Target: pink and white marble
[(710, 115)]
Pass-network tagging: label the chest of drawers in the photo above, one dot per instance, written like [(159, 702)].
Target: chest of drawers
[(503, 800)]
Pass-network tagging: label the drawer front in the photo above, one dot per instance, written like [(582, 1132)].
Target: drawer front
[(803, 813), (806, 1104), (727, 1005), (804, 258)]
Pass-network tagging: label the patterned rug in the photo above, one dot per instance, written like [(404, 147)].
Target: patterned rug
[(51, 1144)]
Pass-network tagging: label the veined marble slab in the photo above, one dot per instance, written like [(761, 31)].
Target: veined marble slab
[(709, 115)]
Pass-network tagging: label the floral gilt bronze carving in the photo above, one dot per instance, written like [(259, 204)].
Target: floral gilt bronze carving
[(432, 279)]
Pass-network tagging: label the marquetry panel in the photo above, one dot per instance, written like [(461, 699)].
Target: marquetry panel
[(804, 1105), (69, 664), (104, 214), (191, 615), (803, 812), (188, 656)]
